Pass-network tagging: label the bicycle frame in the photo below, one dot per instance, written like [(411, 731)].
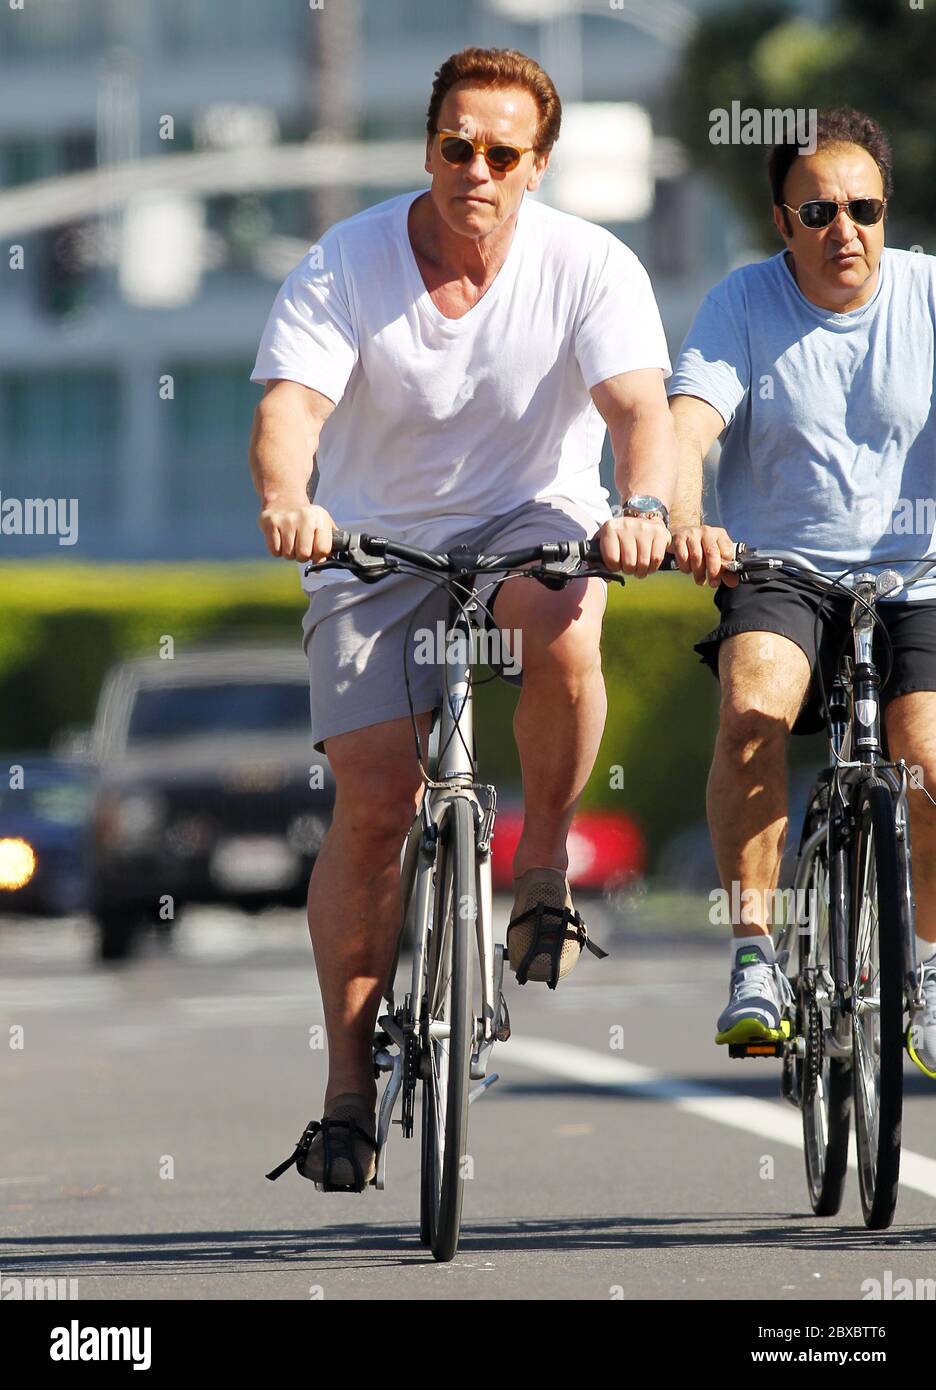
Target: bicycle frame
[(856, 753), (456, 776)]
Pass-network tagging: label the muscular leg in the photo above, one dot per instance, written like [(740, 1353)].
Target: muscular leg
[(355, 904), (560, 716), (764, 678), (910, 721)]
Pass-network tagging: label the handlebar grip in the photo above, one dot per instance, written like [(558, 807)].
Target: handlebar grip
[(340, 539), (593, 552)]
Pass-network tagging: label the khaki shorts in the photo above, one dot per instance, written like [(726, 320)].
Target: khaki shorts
[(353, 633)]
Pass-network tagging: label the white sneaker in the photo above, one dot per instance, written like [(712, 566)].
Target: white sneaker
[(921, 1038), (760, 996)]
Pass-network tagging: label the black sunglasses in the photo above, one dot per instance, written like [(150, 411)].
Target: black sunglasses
[(822, 212)]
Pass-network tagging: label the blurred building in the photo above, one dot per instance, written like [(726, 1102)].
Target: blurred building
[(128, 335)]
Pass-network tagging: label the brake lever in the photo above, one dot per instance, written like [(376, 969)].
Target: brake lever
[(556, 574), (744, 569), (367, 567), (369, 570)]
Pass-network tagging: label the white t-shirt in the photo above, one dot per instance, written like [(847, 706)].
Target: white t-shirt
[(441, 424)]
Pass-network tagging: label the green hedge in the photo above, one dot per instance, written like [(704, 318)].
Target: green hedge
[(662, 707), (64, 624)]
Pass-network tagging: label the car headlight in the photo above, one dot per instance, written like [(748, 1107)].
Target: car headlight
[(17, 863)]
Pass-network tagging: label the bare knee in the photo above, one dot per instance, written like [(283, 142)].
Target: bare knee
[(378, 787), (747, 727), (376, 813), (570, 653), (764, 679)]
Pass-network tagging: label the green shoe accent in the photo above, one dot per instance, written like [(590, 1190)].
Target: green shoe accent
[(752, 1030), (914, 1058)]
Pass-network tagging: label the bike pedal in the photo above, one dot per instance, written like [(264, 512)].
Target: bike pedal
[(477, 1091), (763, 1048), (502, 1032)]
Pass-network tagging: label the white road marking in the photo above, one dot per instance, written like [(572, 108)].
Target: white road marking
[(57, 992), (770, 1119)]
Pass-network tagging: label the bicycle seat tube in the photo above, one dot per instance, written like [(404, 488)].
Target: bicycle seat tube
[(866, 708)]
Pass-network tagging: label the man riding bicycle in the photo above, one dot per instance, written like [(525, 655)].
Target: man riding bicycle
[(452, 358), (816, 367)]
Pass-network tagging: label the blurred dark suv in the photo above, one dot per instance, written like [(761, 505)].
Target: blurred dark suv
[(209, 788)]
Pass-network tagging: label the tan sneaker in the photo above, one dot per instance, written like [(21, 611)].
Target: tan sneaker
[(545, 934)]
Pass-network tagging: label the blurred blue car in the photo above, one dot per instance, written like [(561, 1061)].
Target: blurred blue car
[(44, 827)]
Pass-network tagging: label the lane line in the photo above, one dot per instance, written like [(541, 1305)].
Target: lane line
[(770, 1119)]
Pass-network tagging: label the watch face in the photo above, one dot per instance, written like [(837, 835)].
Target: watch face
[(647, 506)]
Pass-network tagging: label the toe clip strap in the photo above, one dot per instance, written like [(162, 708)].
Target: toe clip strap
[(300, 1151), (344, 1150), (549, 939)]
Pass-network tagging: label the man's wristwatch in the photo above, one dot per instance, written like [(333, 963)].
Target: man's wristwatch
[(650, 508)]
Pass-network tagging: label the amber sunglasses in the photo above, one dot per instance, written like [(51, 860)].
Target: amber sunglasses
[(458, 149)]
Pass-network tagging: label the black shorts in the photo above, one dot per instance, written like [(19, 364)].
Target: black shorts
[(768, 606)]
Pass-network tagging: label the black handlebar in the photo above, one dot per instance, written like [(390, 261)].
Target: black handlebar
[(368, 556), (362, 547)]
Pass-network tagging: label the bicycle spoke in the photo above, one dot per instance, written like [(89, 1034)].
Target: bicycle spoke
[(826, 1115), (869, 1088)]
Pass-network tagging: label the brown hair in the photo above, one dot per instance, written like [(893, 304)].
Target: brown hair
[(500, 67), (841, 125)]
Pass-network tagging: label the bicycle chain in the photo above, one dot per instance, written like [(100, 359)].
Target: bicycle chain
[(411, 1051), (815, 1050)]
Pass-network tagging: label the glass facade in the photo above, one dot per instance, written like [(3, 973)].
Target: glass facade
[(171, 478), (205, 447), (216, 26), (59, 435)]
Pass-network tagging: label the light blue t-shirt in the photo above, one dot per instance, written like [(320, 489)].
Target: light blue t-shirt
[(830, 441)]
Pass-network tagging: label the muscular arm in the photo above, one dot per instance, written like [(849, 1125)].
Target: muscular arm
[(286, 428), (699, 550), (697, 425), (633, 405)]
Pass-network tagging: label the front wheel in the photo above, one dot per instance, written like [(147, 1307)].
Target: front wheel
[(448, 1032), (876, 973), (825, 1081)]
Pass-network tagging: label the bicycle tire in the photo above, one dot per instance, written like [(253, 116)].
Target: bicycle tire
[(876, 962), (448, 1001), (826, 1103)]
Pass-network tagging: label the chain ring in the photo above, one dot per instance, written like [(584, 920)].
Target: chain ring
[(815, 1050), (410, 1067)]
